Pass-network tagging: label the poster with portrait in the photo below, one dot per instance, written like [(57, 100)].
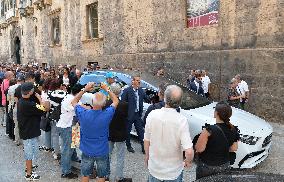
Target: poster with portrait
[(202, 12)]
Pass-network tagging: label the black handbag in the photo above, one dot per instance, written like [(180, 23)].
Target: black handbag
[(10, 114), (232, 155), (45, 124)]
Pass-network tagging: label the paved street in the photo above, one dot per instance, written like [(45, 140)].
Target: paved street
[(12, 162)]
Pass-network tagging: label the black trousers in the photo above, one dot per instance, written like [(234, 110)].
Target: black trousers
[(203, 170), (138, 123), (10, 125)]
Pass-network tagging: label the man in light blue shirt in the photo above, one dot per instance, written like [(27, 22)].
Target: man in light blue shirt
[(110, 79)]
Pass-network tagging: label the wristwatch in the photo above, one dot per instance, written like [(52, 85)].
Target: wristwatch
[(83, 89)]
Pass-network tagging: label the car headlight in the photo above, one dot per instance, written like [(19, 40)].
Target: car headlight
[(250, 140)]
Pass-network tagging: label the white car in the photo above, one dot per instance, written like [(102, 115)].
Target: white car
[(256, 133)]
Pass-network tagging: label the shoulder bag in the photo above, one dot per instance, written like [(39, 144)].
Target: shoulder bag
[(232, 155)]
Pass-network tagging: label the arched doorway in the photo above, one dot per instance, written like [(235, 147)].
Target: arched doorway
[(17, 49)]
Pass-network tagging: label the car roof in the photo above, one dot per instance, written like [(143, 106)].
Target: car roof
[(100, 76)]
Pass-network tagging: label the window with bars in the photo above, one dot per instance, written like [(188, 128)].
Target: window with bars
[(5, 7), (11, 4), (55, 32), (92, 21), (2, 8)]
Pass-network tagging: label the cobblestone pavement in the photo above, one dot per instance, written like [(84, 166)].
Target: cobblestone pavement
[(12, 162)]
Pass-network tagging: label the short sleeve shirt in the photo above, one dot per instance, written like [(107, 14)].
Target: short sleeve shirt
[(168, 133), (94, 130)]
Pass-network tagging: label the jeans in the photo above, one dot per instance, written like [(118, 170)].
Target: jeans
[(31, 148), (67, 153), (120, 155), (87, 165), (153, 179), (16, 129), (2, 115), (203, 170), (138, 123), (55, 138), (47, 139)]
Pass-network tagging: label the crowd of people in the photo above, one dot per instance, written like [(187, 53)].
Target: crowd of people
[(199, 82), (48, 101), (237, 92)]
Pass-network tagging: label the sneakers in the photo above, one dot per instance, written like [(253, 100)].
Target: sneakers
[(32, 177), (33, 168), (69, 176), (56, 156), (45, 149), (125, 180), (130, 149)]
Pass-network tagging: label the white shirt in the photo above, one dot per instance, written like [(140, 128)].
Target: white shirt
[(168, 133), (65, 80), (44, 96), (11, 95), (57, 94), (242, 88), (205, 83), (67, 112)]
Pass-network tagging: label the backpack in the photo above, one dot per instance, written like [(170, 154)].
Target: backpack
[(55, 114)]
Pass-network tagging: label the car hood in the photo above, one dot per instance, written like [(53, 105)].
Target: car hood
[(247, 123)]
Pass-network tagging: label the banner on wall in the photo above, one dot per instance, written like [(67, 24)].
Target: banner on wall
[(202, 12)]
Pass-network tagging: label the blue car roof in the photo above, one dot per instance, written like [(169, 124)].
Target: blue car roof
[(100, 76)]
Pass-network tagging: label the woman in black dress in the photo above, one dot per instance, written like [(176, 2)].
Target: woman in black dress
[(216, 142)]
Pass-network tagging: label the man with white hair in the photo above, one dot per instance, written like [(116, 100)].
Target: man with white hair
[(206, 83), (166, 137), (118, 134), (242, 89), (94, 129)]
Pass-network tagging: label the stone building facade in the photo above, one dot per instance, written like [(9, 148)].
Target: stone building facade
[(151, 34)]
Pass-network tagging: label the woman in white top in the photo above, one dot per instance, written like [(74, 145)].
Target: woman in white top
[(66, 79), (55, 97)]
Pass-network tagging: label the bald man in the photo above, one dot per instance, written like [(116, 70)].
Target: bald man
[(94, 128)]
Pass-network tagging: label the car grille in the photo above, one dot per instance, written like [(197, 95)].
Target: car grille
[(267, 140), (253, 154)]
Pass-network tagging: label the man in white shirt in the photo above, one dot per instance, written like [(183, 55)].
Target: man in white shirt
[(64, 126), (205, 83), (166, 137), (242, 89)]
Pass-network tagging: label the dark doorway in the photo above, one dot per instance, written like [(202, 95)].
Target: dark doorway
[(17, 50)]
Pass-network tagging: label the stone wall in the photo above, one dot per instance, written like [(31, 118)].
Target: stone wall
[(149, 34)]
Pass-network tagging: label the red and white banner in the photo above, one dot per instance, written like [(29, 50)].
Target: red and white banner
[(202, 12), (203, 20)]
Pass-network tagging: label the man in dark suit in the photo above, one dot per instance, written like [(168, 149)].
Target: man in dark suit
[(196, 85), (134, 95)]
